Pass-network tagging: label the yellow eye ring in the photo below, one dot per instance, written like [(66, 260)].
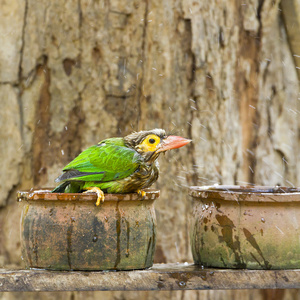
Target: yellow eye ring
[(150, 143)]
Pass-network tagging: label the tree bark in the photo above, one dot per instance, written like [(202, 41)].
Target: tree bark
[(78, 71)]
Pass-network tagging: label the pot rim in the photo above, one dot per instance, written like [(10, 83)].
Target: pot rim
[(246, 193), (45, 194)]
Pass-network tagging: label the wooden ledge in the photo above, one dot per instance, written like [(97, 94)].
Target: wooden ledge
[(159, 277)]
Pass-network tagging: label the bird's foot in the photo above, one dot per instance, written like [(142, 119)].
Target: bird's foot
[(141, 193), (100, 194)]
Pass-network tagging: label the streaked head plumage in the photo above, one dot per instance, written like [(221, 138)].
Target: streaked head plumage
[(151, 143)]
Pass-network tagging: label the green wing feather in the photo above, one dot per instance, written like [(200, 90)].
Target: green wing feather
[(109, 160)]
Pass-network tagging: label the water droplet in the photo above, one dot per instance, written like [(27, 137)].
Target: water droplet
[(72, 219), (95, 238), (279, 230), (182, 283), (263, 220), (62, 152), (177, 249)]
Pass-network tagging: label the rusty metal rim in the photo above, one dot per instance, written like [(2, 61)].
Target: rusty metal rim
[(246, 193), (45, 194)]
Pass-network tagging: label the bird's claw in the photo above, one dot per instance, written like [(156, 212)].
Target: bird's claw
[(100, 194), (141, 193)]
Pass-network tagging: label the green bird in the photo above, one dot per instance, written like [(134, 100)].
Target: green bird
[(118, 165)]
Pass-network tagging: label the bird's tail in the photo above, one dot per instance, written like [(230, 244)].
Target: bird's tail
[(61, 188)]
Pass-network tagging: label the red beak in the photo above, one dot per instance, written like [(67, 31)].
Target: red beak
[(173, 142)]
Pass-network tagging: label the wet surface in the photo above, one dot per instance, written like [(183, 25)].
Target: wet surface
[(45, 194), (246, 189), (231, 241), (69, 243), (118, 232), (250, 238), (159, 277), (246, 193)]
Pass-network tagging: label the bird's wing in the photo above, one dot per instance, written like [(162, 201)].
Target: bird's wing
[(104, 162)]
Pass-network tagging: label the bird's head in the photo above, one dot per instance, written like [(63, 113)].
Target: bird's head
[(151, 143)]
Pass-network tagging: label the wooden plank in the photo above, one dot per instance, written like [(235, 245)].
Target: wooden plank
[(159, 277)]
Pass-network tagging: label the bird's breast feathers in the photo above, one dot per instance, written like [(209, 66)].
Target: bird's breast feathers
[(143, 177)]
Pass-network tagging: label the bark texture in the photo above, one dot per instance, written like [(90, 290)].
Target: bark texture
[(77, 71)]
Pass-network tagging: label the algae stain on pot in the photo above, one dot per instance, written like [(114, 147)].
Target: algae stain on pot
[(34, 242), (227, 236), (26, 253), (250, 238), (69, 243), (128, 237), (195, 242), (96, 227), (118, 230), (151, 245)]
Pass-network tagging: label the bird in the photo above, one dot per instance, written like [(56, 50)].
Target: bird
[(118, 165)]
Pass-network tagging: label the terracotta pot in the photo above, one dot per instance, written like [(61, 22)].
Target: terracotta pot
[(246, 227), (68, 232)]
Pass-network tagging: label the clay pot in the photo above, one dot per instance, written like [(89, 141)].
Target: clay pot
[(246, 227), (61, 231)]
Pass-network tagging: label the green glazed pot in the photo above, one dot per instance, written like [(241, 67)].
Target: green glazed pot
[(61, 231), (246, 227)]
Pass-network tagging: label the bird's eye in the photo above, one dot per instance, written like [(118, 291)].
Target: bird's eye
[(149, 143)]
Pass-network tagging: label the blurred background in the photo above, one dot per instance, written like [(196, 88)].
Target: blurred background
[(223, 73)]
